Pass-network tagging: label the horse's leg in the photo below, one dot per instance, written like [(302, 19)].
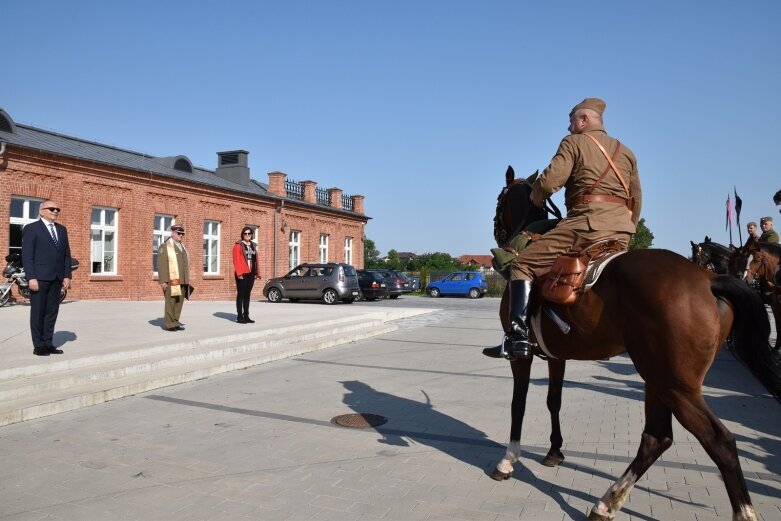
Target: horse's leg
[(555, 385), (656, 438), (521, 373), (776, 308), (693, 413)]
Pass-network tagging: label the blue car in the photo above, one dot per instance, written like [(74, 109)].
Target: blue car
[(461, 283)]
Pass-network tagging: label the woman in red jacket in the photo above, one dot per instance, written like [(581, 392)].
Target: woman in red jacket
[(245, 269)]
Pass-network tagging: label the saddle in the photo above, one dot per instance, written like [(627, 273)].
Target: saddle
[(574, 272)]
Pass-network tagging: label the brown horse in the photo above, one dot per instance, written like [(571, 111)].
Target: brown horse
[(671, 317), (757, 263)]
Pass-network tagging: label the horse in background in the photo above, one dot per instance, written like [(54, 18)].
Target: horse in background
[(711, 256), (758, 263), (647, 303)]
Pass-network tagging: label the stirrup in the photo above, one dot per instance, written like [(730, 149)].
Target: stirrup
[(511, 349)]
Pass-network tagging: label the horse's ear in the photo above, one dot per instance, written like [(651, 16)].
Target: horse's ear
[(509, 176), (693, 245), (707, 239)]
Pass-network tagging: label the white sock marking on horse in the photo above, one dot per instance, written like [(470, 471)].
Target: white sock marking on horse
[(512, 455), (746, 513), (615, 496)]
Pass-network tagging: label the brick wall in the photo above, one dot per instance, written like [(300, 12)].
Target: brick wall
[(78, 186)]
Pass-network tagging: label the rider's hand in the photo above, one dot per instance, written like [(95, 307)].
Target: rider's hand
[(33, 283), (163, 285), (66, 283)]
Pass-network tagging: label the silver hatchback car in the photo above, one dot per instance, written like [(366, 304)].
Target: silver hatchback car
[(330, 282)]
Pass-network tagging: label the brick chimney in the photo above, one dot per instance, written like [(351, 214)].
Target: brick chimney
[(357, 203), (276, 183), (336, 197), (308, 189)]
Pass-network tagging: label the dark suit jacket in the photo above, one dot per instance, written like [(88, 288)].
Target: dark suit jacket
[(41, 258)]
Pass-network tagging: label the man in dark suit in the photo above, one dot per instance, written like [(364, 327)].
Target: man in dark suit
[(46, 255)]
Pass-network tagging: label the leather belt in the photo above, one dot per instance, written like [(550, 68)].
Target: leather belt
[(597, 198)]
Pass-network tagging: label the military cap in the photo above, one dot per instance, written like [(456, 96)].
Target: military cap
[(177, 228), (766, 220), (595, 104)]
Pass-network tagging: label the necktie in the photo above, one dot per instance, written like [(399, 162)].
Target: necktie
[(54, 235)]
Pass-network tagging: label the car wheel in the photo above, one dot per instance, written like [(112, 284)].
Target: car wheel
[(474, 293), (394, 296), (348, 300), (274, 295), (434, 292), (372, 299), (330, 296)]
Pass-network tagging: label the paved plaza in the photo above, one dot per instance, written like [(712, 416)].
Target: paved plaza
[(259, 444)]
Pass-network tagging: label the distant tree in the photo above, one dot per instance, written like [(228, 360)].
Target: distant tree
[(438, 261), (393, 261), (643, 238), (371, 255)]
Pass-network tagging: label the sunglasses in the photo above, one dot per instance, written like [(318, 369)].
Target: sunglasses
[(247, 233), (52, 209)]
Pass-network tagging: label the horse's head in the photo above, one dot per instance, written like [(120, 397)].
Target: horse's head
[(514, 208), (711, 255), (761, 261)]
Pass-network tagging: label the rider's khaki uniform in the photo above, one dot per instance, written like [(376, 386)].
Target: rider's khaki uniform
[(577, 165)]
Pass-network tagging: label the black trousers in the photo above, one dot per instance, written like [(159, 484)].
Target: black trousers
[(44, 308), (243, 292)]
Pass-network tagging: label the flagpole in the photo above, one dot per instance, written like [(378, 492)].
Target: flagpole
[(729, 218), (738, 206)]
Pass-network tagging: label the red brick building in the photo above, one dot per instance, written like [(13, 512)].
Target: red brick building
[(118, 206)]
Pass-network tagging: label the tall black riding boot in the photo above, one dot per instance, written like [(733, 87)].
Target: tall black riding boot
[(516, 342)]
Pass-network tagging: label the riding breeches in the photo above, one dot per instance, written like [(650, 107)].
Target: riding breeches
[(542, 252)]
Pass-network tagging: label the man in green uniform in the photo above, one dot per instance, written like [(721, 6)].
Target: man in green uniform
[(601, 204), (173, 269), (769, 235)]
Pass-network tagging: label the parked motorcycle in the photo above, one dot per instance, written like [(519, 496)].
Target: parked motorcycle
[(14, 275)]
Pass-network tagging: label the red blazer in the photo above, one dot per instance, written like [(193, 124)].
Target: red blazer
[(240, 267)]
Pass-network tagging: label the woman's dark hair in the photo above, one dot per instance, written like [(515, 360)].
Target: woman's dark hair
[(246, 229)]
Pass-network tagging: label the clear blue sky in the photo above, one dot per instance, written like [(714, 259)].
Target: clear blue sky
[(419, 105)]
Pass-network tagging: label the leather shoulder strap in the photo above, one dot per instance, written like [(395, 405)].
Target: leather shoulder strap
[(610, 160)]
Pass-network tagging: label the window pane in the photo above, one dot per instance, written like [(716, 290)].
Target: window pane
[(96, 252), (109, 243), (96, 216), (17, 207), (158, 222), (207, 228), (154, 260), (35, 209), (15, 244), (108, 263), (110, 217)]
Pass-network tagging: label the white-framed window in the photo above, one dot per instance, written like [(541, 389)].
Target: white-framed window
[(161, 232), (323, 248), (211, 247), (24, 210), (103, 242), (348, 250), (294, 245)]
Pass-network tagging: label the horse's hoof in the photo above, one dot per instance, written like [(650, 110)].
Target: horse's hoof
[(553, 459), (498, 475)]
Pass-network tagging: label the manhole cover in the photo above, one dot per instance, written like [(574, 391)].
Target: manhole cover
[(359, 420)]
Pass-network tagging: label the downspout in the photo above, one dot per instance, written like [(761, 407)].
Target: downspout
[(276, 229)]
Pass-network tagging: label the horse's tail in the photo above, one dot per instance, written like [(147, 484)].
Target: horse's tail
[(750, 329)]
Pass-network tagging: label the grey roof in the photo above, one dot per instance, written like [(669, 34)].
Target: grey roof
[(48, 141)]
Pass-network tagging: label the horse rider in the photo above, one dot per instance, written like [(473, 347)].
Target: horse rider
[(602, 203), (769, 235)]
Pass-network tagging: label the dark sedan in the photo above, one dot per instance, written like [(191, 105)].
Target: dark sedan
[(397, 282), (372, 285)]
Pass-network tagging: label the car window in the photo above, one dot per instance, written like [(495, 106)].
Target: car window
[(327, 271), (470, 276), (456, 276), (349, 271), (296, 272)]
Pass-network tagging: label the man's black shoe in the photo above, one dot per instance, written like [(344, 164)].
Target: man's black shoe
[(240, 320), (248, 320), (175, 328), (53, 350), (41, 351)]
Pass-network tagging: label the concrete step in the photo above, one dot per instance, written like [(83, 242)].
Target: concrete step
[(84, 383)]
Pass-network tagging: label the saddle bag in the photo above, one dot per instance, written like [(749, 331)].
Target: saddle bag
[(563, 284)]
